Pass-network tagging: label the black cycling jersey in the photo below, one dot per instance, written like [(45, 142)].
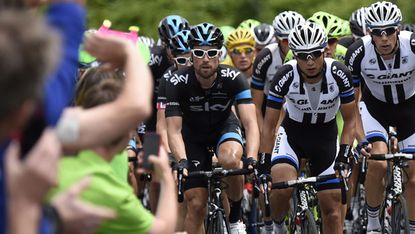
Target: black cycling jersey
[(205, 110), (158, 64), (161, 98)]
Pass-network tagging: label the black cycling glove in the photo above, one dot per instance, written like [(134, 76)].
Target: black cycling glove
[(264, 163)]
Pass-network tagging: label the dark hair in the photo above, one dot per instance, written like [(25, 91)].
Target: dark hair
[(28, 52)]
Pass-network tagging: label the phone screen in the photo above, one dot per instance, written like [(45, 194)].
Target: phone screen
[(151, 146)]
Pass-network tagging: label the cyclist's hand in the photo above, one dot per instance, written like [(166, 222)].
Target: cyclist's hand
[(264, 164), (342, 165), (364, 148), (183, 164), (250, 163), (78, 216)]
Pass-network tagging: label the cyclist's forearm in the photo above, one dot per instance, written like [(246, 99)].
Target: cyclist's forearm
[(176, 145), (252, 138)]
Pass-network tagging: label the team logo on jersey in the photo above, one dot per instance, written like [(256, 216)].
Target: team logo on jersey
[(390, 75), (372, 61), (179, 78), (230, 73), (156, 59), (342, 75), (331, 88), (354, 55), (206, 107), (261, 63), (405, 60), (296, 85), (196, 99), (167, 75)]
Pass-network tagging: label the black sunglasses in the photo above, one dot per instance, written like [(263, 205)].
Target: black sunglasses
[(311, 55), (383, 31)]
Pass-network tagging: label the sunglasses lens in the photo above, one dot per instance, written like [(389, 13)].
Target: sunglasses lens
[(388, 31), (199, 53), (181, 61), (316, 54), (212, 53), (237, 51), (249, 50), (332, 41)]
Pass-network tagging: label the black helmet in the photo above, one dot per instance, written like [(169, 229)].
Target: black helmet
[(179, 43), (170, 26), (206, 34)]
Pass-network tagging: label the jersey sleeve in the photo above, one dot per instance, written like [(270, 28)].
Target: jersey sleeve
[(241, 89), (343, 78), (353, 59), (173, 107), (261, 65), (279, 86), (161, 98)]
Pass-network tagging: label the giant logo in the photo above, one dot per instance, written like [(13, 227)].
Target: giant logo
[(390, 76)]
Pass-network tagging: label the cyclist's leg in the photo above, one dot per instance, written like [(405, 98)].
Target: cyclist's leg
[(377, 135), (285, 164), (195, 189), (229, 151)]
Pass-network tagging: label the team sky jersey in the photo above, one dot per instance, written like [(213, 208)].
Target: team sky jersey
[(266, 65), (205, 110), (336, 88), (158, 64), (339, 54), (161, 98), (388, 81)]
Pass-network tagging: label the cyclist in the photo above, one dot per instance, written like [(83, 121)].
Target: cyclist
[(384, 62), (314, 88), (264, 35), (180, 50), (199, 116), (241, 49), (271, 58), (408, 27), (357, 26)]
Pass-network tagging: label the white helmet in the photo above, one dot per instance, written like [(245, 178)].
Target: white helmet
[(285, 21), (307, 37), (382, 14), (358, 22)]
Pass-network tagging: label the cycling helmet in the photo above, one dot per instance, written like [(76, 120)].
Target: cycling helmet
[(285, 21), (307, 37), (238, 37), (226, 30), (331, 23), (345, 28), (383, 14), (409, 27), (358, 22), (170, 25), (148, 41), (205, 34), (249, 24), (264, 34), (179, 43)]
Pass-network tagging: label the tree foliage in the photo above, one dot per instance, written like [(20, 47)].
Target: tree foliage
[(147, 13)]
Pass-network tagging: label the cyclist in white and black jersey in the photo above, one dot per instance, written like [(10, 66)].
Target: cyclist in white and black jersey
[(385, 62), (271, 58), (314, 89)]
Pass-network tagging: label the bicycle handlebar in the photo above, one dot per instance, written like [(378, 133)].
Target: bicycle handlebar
[(302, 180), (402, 156)]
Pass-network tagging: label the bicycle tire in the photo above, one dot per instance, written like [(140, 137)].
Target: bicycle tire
[(217, 224), (308, 224), (400, 221)]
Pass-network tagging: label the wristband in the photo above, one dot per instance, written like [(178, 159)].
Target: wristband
[(53, 218)]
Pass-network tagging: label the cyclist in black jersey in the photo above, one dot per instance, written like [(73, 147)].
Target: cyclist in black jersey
[(385, 62), (314, 88), (180, 50), (161, 58), (199, 117)]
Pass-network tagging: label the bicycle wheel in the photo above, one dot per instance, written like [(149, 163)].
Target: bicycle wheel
[(399, 222), (308, 224), (216, 224)]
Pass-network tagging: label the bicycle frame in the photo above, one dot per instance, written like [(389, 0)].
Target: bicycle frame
[(215, 203)]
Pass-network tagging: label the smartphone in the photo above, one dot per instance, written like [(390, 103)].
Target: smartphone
[(151, 146)]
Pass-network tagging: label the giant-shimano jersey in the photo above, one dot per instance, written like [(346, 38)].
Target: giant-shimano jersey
[(265, 66), (388, 81), (205, 110), (336, 88)]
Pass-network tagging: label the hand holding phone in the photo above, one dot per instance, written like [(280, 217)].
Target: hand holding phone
[(151, 146)]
